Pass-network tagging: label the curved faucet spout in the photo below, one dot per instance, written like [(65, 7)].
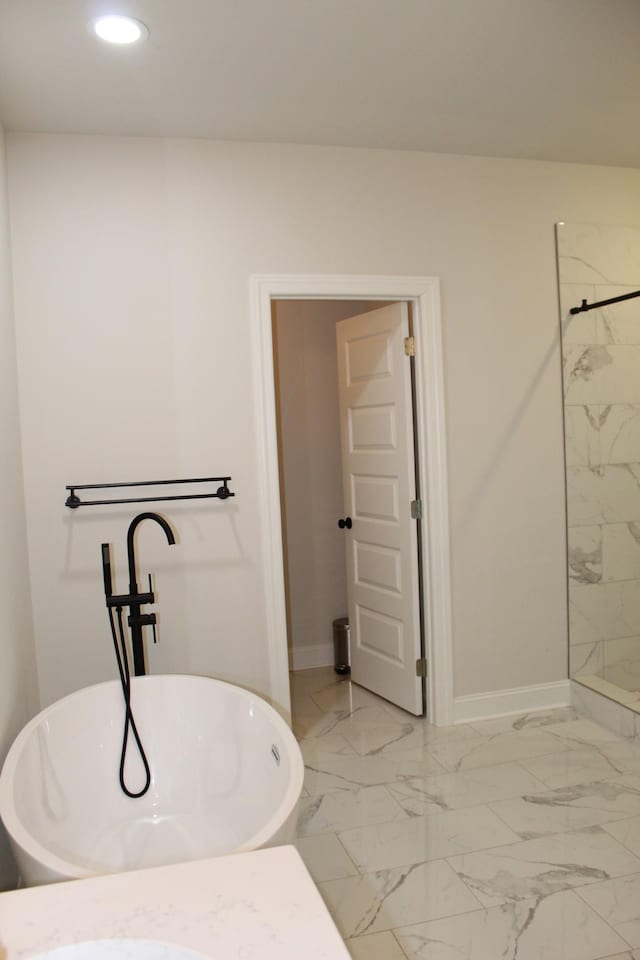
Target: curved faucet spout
[(131, 545)]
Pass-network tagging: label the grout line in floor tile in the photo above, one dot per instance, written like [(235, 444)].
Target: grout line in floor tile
[(602, 919), (598, 829), (543, 786), (402, 950), (539, 900), (633, 816), (491, 805), (348, 855)]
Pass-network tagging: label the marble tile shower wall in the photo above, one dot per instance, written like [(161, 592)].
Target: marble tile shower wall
[(601, 361)]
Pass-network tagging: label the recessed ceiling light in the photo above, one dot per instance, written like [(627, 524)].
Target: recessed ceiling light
[(121, 30)]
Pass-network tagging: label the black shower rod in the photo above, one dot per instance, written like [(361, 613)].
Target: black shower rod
[(74, 501), (584, 306)]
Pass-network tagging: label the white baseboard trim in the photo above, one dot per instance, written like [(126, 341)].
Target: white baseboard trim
[(316, 655), (500, 703)]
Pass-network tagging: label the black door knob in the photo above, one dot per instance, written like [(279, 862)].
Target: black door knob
[(345, 523)]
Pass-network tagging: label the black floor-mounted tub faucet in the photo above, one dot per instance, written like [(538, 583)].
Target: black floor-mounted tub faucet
[(134, 600)]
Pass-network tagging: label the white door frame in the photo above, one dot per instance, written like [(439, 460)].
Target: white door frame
[(423, 293)]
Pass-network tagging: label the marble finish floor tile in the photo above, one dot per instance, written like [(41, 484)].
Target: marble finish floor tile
[(571, 767), (558, 927), (469, 788), (325, 858), (419, 839), (395, 898), (345, 696), (329, 742), (539, 868), (374, 731), (371, 724), (311, 725), (327, 771), (313, 680), (581, 732), (571, 808), (304, 705), (625, 755), (516, 838), (626, 832), (331, 812), (320, 724), (617, 902), (376, 946), (523, 721), (499, 748)]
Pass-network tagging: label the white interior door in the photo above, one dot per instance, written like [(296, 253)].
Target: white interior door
[(378, 469)]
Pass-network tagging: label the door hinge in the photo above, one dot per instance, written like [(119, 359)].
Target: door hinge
[(421, 667), (410, 346), (416, 509)]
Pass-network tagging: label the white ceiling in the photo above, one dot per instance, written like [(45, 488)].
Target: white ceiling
[(544, 79)]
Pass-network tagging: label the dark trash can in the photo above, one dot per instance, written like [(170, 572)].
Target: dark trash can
[(341, 660)]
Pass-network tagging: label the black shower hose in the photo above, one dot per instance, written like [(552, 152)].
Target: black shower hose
[(129, 722)]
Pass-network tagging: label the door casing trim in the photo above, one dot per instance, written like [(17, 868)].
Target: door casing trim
[(424, 294)]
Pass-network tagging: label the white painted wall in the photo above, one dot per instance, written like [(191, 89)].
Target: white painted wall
[(17, 666), (311, 465), (132, 260)]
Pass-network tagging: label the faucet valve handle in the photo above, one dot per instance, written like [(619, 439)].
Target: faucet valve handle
[(142, 620), (152, 617)]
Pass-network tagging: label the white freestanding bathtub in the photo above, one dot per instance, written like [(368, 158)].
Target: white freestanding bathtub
[(226, 777)]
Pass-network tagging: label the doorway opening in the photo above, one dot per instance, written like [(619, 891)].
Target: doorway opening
[(418, 296), (349, 490)]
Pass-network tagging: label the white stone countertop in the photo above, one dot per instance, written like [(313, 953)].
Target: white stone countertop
[(247, 906)]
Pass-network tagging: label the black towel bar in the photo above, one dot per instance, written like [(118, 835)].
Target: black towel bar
[(73, 500)]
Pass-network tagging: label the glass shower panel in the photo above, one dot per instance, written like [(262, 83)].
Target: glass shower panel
[(601, 383)]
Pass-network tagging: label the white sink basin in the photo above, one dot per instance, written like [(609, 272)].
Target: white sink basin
[(122, 949)]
